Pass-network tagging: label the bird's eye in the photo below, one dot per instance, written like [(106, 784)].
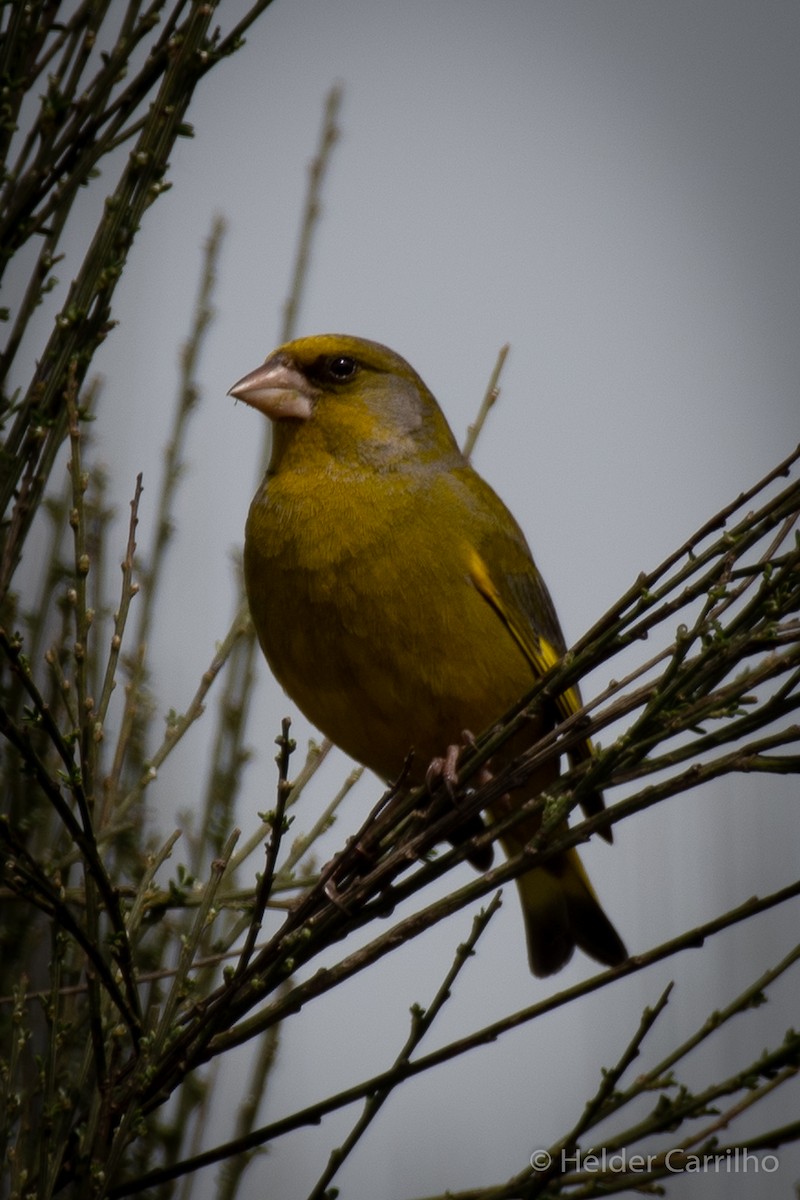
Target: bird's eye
[(341, 368)]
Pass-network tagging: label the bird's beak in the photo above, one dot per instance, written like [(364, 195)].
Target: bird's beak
[(277, 390)]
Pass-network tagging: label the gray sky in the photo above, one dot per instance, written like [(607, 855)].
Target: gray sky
[(612, 187)]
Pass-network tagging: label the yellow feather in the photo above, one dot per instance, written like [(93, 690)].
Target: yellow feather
[(396, 599)]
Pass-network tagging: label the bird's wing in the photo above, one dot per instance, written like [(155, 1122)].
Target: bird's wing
[(521, 602), (503, 572)]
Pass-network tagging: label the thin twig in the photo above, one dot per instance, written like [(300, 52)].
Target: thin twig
[(489, 400), (421, 1021)]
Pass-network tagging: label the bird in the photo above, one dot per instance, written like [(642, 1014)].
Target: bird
[(397, 602)]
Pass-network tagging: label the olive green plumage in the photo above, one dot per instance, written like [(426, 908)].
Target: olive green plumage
[(395, 596)]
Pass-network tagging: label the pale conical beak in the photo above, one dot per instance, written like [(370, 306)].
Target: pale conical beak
[(277, 390)]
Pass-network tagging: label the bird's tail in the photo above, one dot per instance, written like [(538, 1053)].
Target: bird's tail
[(561, 912)]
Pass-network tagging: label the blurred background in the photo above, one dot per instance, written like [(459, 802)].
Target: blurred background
[(613, 188)]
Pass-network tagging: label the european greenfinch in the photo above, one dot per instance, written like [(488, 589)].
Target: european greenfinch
[(395, 597)]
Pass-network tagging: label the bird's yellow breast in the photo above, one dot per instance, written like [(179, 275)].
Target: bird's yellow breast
[(367, 612)]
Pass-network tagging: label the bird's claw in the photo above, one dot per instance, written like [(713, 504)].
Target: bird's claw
[(444, 769)]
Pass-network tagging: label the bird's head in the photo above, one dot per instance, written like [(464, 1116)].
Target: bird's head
[(352, 400)]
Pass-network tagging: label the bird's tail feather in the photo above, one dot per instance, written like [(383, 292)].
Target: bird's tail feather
[(561, 912)]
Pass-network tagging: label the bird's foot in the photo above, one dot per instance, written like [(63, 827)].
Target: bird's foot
[(444, 769)]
